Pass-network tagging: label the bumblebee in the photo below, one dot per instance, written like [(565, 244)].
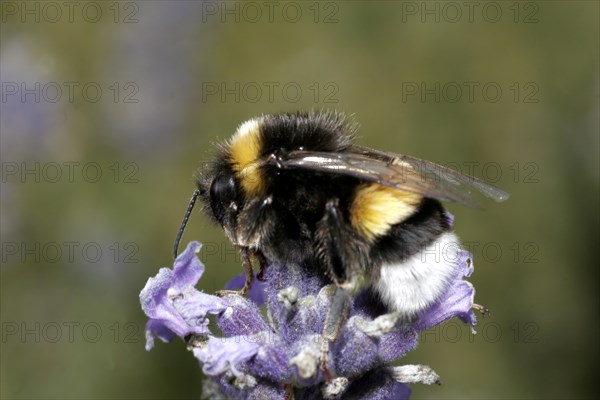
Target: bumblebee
[(294, 188)]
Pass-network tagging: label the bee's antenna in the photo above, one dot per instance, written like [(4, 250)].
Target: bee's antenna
[(185, 220)]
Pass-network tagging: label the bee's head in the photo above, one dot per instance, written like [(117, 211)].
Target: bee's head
[(232, 176), (220, 196)]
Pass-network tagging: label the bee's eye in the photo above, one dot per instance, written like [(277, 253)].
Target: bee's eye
[(222, 192)]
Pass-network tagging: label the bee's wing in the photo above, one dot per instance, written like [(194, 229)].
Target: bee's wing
[(439, 172), (402, 172)]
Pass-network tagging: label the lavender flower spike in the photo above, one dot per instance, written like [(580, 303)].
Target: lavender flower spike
[(279, 357)]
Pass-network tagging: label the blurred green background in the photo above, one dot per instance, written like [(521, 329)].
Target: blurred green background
[(109, 107)]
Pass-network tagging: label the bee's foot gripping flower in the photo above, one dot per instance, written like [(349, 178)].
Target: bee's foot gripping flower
[(263, 359)]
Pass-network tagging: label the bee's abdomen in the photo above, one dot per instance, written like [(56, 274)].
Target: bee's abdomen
[(411, 235), (415, 283), (415, 261)]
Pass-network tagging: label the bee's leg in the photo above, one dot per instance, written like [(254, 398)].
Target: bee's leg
[(262, 262), (336, 316), (338, 249), (335, 245), (248, 271)]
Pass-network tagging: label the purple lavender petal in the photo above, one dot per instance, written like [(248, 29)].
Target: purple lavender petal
[(187, 267), (194, 306), (272, 362), (355, 352), (457, 301), (312, 307), (159, 308), (264, 391), (242, 317), (158, 328), (261, 355), (173, 305), (221, 355), (305, 360), (155, 290), (397, 343), (308, 318), (257, 291), (280, 276)]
